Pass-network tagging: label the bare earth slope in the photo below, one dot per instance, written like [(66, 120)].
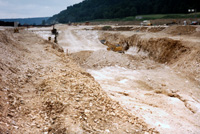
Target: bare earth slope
[(157, 79), (44, 91), (153, 88)]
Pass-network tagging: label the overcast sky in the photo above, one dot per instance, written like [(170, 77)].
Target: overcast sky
[(33, 8)]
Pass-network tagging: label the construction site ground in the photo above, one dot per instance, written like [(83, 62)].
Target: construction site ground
[(77, 86)]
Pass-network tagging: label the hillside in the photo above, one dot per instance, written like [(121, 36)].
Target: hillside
[(30, 21), (109, 9)]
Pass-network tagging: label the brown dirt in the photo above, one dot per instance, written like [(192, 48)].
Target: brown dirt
[(130, 28), (103, 58), (196, 34), (164, 94), (175, 75), (113, 28), (44, 91), (140, 29), (180, 30), (162, 50), (181, 55), (113, 38), (155, 29), (178, 54), (123, 28)]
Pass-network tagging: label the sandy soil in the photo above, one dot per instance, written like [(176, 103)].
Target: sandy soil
[(164, 97), (44, 91), (152, 88)]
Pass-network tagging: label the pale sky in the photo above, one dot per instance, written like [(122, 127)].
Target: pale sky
[(33, 8)]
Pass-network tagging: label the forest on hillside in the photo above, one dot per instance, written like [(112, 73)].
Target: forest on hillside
[(110, 9), (27, 21)]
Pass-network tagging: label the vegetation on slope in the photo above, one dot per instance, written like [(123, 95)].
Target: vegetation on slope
[(110, 9)]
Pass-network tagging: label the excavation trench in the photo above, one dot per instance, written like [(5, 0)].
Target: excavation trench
[(151, 80), (157, 79), (43, 91)]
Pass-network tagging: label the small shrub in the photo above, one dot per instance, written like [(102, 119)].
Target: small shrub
[(107, 28)]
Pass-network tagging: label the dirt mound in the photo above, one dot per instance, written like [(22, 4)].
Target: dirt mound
[(80, 106), (163, 50), (155, 29), (180, 30), (3, 38), (11, 54), (81, 57), (196, 34), (189, 64), (97, 28), (3, 109), (140, 29), (109, 28), (102, 58), (123, 28), (6, 39), (112, 38)]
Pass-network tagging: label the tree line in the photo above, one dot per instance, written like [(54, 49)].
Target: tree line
[(110, 9)]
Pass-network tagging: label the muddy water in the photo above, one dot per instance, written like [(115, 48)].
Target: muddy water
[(154, 92)]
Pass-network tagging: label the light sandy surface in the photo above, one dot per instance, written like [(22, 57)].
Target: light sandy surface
[(164, 96), (155, 92), (3, 28), (43, 91)]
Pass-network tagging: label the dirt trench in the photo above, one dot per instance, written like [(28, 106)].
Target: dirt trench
[(156, 87), (157, 78), (180, 55)]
